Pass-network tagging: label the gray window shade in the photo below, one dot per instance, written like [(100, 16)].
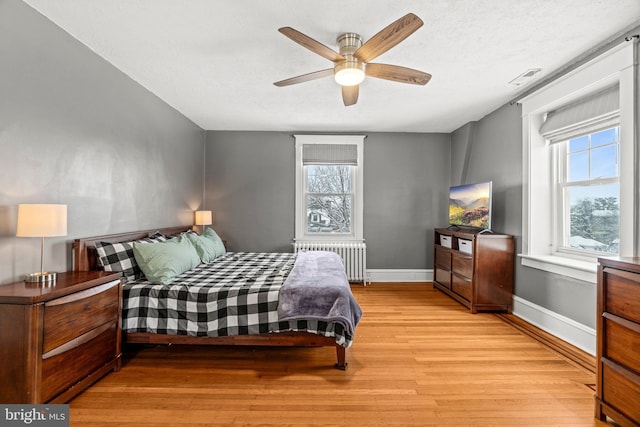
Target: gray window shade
[(591, 114), (330, 154)]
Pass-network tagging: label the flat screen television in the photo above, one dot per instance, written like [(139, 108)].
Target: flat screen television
[(470, 205)]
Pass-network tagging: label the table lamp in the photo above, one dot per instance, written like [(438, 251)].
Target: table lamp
[(203, 218), (37, 220)]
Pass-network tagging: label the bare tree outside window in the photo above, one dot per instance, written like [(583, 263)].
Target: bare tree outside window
[(592, 189), (595, 224), (329, 198)]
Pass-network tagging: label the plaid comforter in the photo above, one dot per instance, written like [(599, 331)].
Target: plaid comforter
[(237, 294)]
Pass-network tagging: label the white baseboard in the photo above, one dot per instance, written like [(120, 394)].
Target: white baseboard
[(556, 324), (406, 275)]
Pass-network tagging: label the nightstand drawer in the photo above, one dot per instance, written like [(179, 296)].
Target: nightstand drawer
[(620, 291), (67, 366), (71, 316)]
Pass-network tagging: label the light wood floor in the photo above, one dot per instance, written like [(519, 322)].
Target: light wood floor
[(419, 359)]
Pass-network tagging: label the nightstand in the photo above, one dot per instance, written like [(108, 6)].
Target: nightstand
[(57, 340)]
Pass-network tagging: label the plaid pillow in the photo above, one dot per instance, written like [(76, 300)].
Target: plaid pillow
[(119, 256), (155, 237)]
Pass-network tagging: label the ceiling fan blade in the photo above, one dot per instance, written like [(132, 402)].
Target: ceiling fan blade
[(388, 37), (398, 74), (350, 94), (305, 77), (311, 44)]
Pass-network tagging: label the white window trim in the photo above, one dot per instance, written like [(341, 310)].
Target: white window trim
[(358, 201), (538, 234)]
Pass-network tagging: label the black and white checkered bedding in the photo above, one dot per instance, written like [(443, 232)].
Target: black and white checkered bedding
[(237, 294)]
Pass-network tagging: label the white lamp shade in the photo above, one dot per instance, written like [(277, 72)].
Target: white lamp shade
[(35, 220), (203, 218)]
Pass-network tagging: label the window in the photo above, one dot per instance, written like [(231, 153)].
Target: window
[(589, 190), (329, 198), (579, 163), (329, 187)]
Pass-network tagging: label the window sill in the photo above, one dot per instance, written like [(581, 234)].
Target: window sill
[(577, 269)]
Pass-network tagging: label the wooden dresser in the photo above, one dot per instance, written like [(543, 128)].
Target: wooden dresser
[(618, 341), (475, 269), (57, 340)]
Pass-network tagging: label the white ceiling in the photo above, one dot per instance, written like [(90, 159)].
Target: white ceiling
[(216, 61)]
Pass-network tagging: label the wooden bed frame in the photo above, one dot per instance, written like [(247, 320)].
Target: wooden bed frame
[(85, 259)]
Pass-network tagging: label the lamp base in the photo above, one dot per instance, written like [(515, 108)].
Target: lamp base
[(41, 277)]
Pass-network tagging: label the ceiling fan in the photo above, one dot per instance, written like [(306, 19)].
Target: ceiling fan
[(352, 64)]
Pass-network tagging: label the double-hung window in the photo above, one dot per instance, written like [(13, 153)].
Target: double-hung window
[(329, 187), (588, 202), (586, 137), (580, 158)]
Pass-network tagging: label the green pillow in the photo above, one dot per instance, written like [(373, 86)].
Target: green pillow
[(217, 241), (162, 262), (205, 247)]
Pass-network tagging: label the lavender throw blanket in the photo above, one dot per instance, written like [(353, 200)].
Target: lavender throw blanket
[(317, 288)]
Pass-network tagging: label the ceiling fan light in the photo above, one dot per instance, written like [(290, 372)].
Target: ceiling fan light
[(349, 73)]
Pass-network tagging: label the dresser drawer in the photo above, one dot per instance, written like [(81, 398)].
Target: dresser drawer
[(443, 257), (621, 294), (71, 363), (622, 343), (443, 277), (461, 286), (621, 390), (71, 316), (462, 265)]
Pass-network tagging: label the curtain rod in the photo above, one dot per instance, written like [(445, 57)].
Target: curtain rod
[(293, 135)]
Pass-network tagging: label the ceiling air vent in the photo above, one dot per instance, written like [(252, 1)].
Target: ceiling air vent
[(525, 77)]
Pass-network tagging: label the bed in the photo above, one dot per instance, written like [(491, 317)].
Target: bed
[(260, 285)]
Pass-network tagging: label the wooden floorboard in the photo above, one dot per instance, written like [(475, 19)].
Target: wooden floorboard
[(419, 359), (574, 354)]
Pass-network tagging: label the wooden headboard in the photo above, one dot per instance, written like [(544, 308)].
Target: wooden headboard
[(84, 250)]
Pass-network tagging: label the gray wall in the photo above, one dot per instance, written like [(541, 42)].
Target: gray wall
[(250, 186), (249, 181), (460, 144), (406, 183), (75, 130), (494, 152)]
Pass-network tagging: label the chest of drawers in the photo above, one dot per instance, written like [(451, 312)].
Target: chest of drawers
[(56, 340), (475, 269), (618, 341)]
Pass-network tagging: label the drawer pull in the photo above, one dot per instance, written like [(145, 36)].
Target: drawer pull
[(82, 294), (76, 342)]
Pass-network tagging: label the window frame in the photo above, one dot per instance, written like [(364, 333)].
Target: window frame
[(357, 183), (539, 231)]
